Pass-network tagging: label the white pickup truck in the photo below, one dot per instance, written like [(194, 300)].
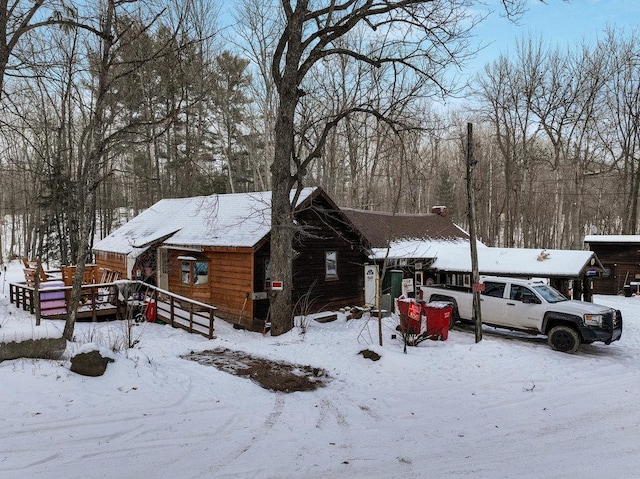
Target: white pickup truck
[(534, 307)]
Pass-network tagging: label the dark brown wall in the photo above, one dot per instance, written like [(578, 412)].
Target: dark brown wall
[(260, 306), (325, 231), (623, 262)]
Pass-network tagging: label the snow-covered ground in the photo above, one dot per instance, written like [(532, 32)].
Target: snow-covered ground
[(506, 407)]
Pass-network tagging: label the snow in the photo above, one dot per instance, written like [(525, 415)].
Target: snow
[(515, 261), (455, 256), (612, 239), (505, 407), (421, 248), (240, 219)]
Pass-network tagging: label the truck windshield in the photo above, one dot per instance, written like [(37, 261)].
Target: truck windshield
[(550, 294)]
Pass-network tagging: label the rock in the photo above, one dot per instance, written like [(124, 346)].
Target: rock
[(91, 363), (44, 348), (326, 318), (367, 353)]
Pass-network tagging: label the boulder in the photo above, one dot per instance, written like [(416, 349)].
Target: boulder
[(91, 363), (44, 348)]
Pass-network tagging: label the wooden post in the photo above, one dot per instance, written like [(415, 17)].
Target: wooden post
[(171, 309), (475, 276), (94, 315), (36, 290)]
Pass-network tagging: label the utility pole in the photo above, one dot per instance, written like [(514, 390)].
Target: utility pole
[(471, 214)]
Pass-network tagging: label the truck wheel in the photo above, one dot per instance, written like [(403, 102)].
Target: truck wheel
[(564, 339), (455, 317)]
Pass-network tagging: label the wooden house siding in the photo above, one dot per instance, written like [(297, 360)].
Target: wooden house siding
[(112, 261), (231, 277), (326, 232), (229, 282), (623, 262)]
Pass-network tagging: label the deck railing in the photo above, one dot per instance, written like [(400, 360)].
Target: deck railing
[(95, 299), (107, 299), (180, 311)]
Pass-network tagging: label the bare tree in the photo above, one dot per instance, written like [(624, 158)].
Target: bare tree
[(256, 34), (620, 135), (507, 90), (421, 36), (117, 27)]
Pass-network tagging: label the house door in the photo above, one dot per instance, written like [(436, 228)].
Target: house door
[(418, 281), (163, 268)]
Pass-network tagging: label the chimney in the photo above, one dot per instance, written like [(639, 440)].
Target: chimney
[(440, 210)]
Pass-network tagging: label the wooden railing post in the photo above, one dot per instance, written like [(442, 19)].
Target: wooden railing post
[(20, 302), (31, 301), (94, 316), (117, 300), (172, 309)]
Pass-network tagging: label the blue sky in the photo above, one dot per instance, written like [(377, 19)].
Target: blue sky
[(557, 22)]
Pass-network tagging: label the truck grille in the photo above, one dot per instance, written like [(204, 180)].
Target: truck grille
[(617, 319), (612, 320)]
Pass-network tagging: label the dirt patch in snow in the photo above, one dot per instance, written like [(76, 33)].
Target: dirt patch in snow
[(277, 376)]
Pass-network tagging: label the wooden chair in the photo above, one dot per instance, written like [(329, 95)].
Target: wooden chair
[(31, 270)]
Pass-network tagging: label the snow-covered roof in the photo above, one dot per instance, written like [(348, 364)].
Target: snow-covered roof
[(515, 261), (421, 248), (240, 220), (612, 239), (455, 256), (381, 228)]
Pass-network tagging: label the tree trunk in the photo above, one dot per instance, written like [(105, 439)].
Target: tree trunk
[(282, 227), (281, 264), (89, 171)]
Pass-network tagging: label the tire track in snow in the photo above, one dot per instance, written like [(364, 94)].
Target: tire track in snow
[(262, 432), (328, 408)]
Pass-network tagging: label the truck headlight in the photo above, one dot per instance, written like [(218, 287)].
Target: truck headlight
[(593, 320)]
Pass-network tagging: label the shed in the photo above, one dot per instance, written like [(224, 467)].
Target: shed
[(215, 249), (620, 257), (565, 269)]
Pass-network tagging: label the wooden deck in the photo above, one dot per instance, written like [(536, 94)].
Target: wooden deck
[(121, 300)]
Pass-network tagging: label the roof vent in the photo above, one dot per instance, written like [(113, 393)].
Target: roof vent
[(440, 210)]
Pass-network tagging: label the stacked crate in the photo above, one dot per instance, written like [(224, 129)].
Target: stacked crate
[(52, 298)]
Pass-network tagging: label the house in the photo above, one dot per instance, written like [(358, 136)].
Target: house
[(620, 257), (430, 248), (406, 246), (215, 249)]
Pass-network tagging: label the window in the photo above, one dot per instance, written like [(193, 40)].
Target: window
[(516, 292), (549, 294), (186, 272), (330, 265), (200, 272), (495, 290), (194, 271), (522, 293)]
